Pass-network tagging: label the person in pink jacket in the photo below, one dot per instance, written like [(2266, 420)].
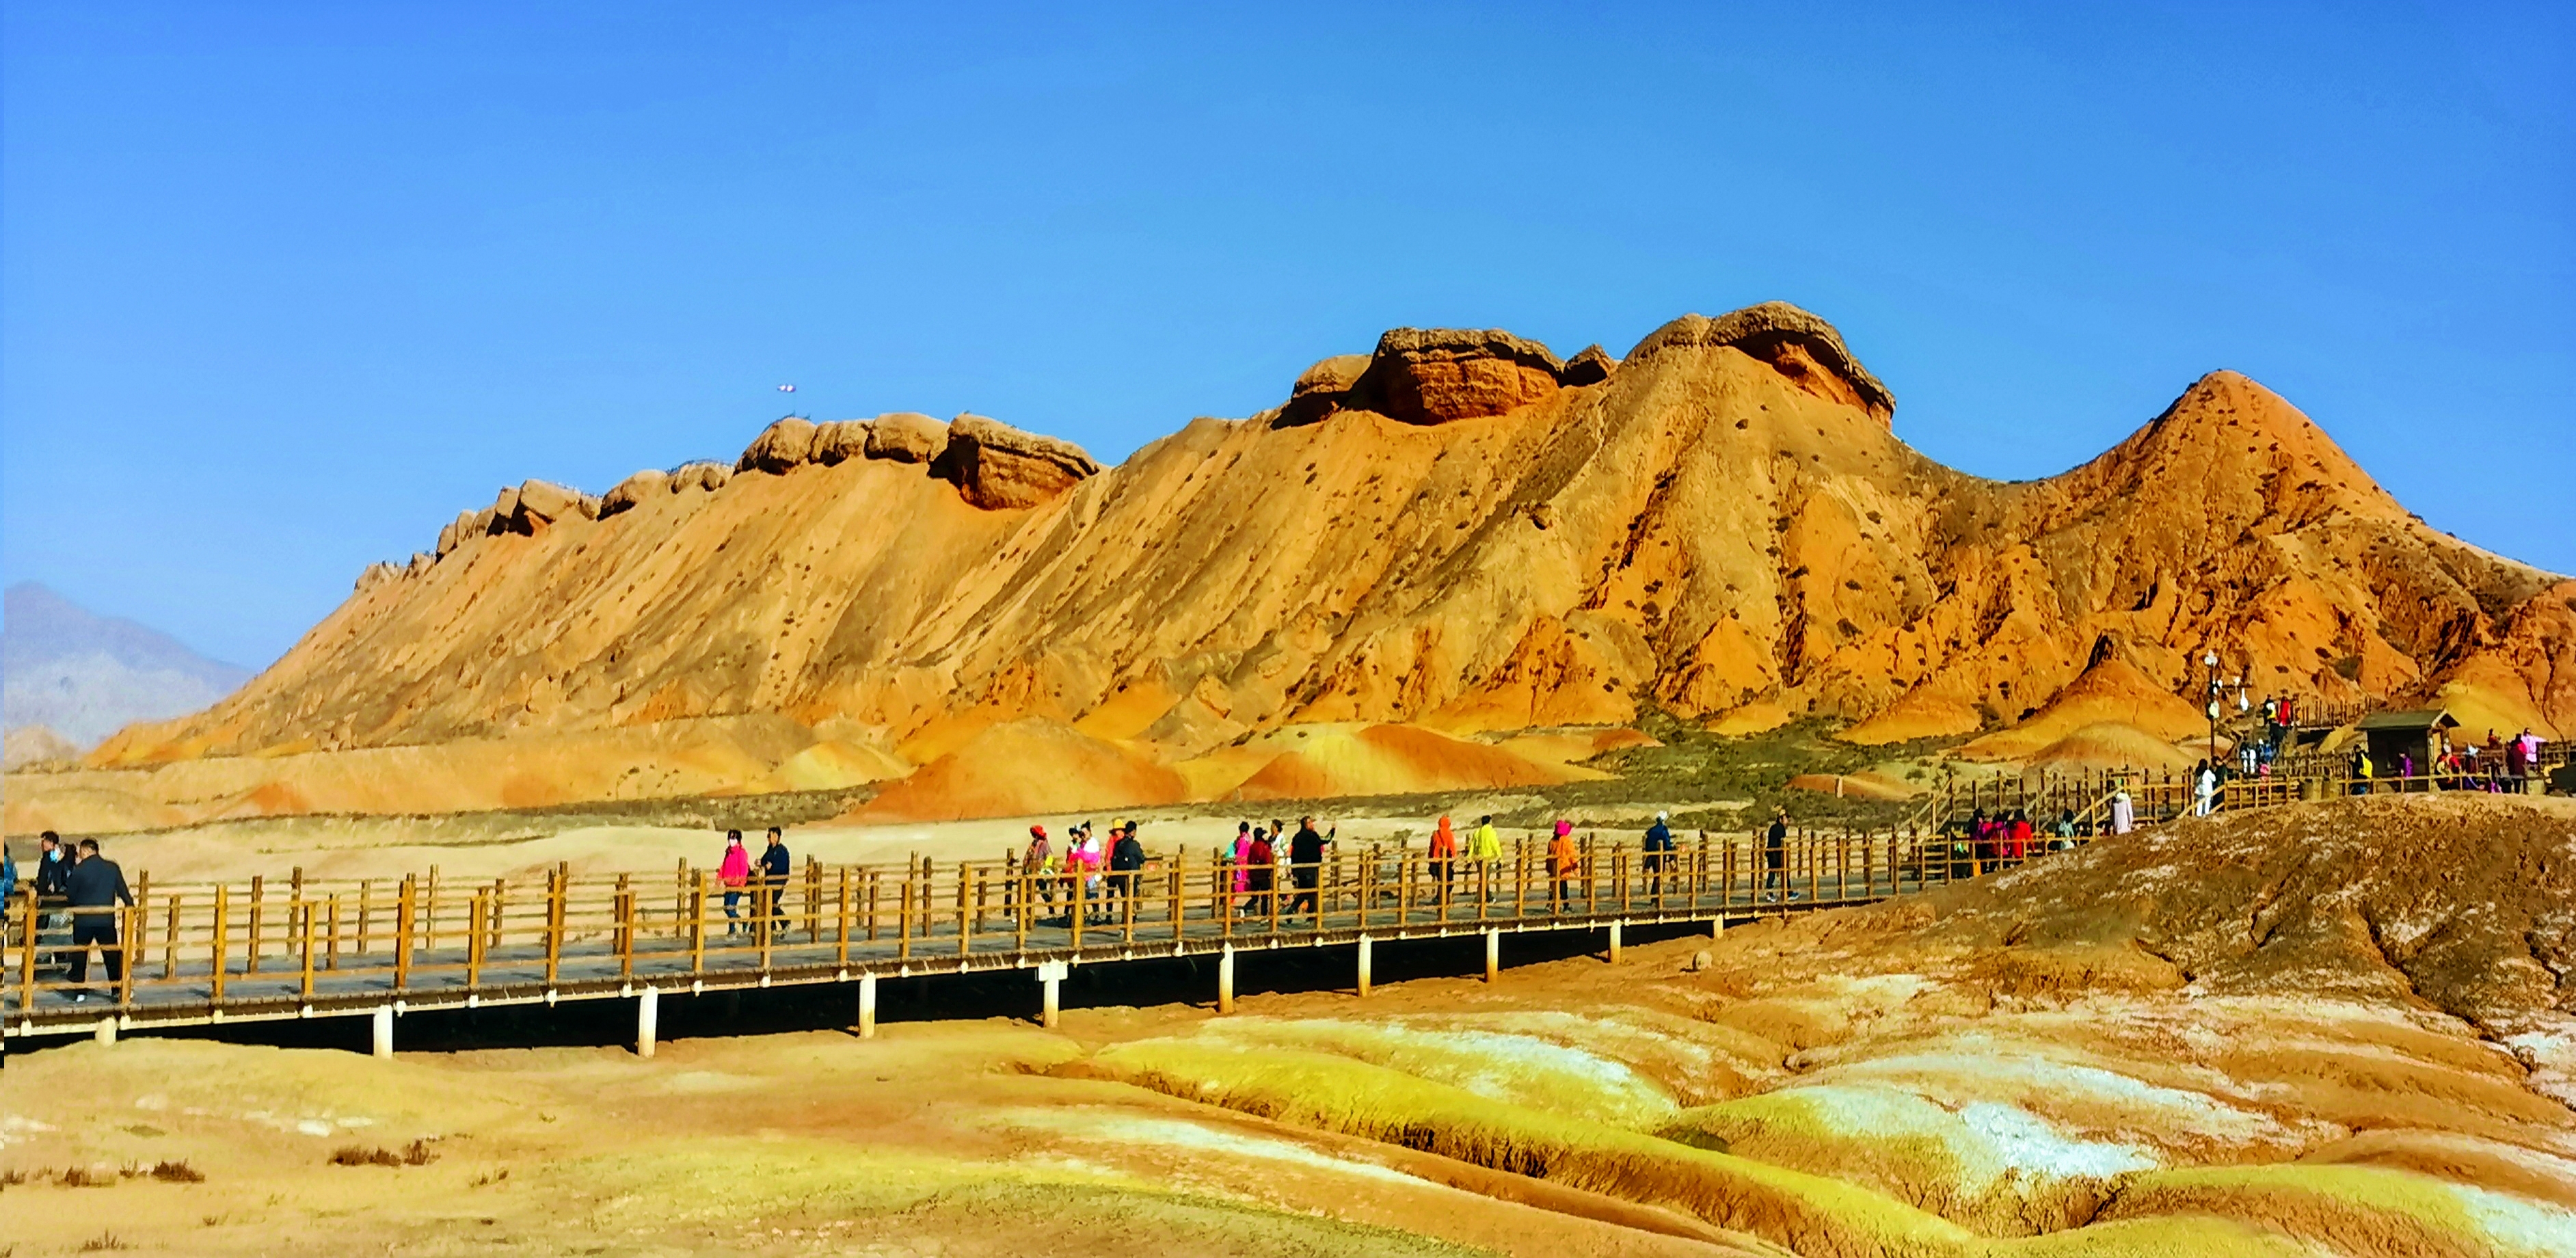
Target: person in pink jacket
[(735, 874)]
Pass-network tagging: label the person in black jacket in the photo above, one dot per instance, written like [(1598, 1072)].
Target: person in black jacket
[(96, 886), (775, 864), (1305, 861), (1126, 857)]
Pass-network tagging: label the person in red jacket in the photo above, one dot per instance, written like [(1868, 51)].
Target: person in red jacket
[(734, 873)]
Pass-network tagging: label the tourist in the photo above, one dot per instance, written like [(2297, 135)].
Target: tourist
[(96, 887), (1037, 868), (2124, 812), (775, 864), (1126, 861), (1444, 853), (1659, 847), (1981, 838), (2205, 789), (2361, 770), (733, 873), (2017, 846), (1562, 863), (1242, 853), (1264, 865), (8, 888), (1305, 863), (2062, 834), (1089, 859), (1775, 854)]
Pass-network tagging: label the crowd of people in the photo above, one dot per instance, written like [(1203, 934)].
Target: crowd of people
[(78, 892)]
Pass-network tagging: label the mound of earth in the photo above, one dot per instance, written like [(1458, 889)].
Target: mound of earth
[(1025, 768), (2109, 745), (2111, 693), (1855, 786), (1463, 533), (1329, 761)]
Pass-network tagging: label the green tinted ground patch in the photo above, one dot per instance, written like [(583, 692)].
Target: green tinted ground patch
[(2360, 1209), (1523, 1069), (1809, 1213)]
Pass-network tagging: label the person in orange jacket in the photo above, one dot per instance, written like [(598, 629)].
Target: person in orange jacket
[(1562, 862), (1444, 854)]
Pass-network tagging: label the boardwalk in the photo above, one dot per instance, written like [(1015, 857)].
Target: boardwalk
[(266, 950), (260, 950)]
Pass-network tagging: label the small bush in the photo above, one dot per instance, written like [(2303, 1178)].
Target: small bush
[(177, 1173), (83, 1177), (414, 1154), (102, 1243)]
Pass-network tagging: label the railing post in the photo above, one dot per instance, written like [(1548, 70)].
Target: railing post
[(477, 942), (303, 908), (841, 932), (558, 893), (170, 942), (404, 910), (625, 939), (250, 964)]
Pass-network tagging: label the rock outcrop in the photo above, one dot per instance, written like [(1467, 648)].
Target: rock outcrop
[(1439, 375), (634, 490), (1799, 345), (839, 441), (1592, 366), (998, 467), (779, 447), (906, 437), (1323, 388)]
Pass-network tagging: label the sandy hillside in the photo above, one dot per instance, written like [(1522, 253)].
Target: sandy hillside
[(2333, 1029), (1458, 533)]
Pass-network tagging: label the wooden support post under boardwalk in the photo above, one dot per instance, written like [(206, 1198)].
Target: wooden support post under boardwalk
[(1365, 943), (1614, 943), (867, 1006), (107, 1030), (648, 1020), (1225, 979), (381, 1023), (1493, 955)]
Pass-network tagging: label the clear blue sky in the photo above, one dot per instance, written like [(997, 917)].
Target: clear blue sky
[(286, 286)]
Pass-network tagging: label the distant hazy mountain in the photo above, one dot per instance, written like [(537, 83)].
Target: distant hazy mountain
[(85, 676)]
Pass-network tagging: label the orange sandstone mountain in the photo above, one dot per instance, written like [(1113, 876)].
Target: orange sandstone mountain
[(1459, 533)]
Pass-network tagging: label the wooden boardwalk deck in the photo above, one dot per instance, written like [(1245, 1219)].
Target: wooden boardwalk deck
[(243, 952)]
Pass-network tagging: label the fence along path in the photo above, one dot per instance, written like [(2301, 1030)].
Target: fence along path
[(244, 951)]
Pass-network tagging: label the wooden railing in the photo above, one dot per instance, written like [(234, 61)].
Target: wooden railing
[(257, 947)]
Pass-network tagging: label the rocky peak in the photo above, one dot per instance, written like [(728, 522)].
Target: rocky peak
[(1440, 375), (1797, 344)]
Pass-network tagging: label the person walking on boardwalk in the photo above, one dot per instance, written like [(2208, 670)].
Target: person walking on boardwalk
[(1037, 868), (1305, 864), (2205, 789), (1659, 850), (1262, 873), (1444, 853), (2124, 812), (96, 888), (1126, 863), (1563, 862), (734, 873), (1242, 854), (775, 864), (1775, 855)]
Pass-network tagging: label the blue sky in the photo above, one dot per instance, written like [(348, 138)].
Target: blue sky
[(283, 287)]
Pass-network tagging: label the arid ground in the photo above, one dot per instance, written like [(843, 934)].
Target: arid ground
[(2346, 1028)]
